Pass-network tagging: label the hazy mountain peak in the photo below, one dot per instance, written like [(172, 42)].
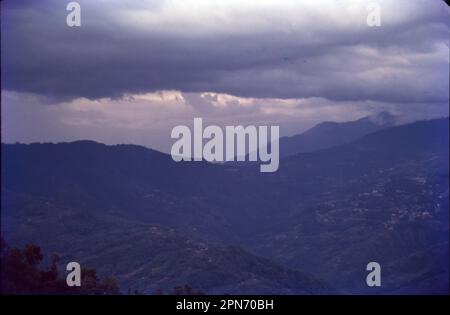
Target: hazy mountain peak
[(383, 118)]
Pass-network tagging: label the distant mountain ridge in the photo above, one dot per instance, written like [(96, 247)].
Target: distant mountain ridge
[(330, 134)]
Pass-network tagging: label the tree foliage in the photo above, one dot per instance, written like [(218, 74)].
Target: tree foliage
[(22, 273)]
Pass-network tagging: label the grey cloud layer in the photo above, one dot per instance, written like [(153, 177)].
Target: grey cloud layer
[(294, 50)]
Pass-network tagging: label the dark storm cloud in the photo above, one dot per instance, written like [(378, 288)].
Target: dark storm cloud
[(142, 46)]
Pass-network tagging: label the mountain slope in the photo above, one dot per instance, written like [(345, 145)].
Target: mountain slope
[(381, 198), (146, 257), (129, 180)]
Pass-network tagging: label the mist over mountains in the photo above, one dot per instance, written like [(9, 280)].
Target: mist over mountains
[(345, 194)]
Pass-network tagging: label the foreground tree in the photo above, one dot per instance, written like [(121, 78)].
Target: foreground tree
[(21, 273)]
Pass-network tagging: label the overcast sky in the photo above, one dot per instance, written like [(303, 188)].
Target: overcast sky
[(135, 69)]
